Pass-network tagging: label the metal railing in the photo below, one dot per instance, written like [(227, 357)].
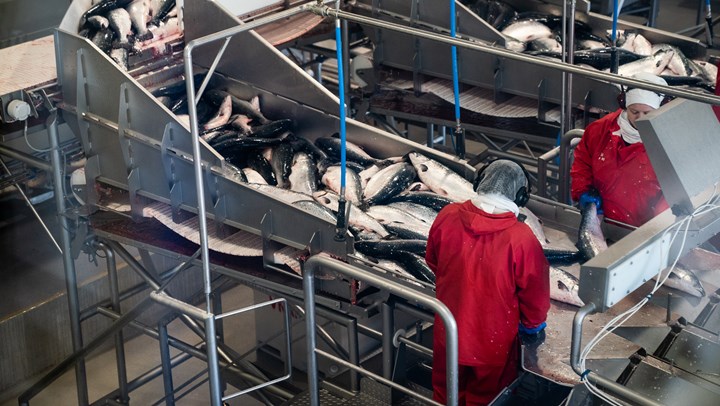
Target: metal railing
[(451, 336)]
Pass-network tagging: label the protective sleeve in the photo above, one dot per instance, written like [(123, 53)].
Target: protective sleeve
[(532, 278)]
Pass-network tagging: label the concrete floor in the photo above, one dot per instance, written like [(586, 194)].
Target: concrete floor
[(32, 271)]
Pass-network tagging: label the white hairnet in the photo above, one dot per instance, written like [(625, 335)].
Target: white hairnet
[(642, 96), (502, 177)]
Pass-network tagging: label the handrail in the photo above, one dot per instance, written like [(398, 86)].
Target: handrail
[(593, 377), (564, 175), (451, 336)]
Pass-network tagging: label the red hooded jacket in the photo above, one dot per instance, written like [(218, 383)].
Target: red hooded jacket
[(491, 273), (621, 172)]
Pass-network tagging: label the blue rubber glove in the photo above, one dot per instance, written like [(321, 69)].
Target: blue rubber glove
[(591, 196), (524, 330), (532, 337)]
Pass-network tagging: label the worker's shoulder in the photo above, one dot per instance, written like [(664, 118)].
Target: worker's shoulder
[(523, 234)]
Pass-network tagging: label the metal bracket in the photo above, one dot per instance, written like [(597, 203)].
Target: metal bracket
[(499, 96), (82, 104), (134, 179), (174, 184)]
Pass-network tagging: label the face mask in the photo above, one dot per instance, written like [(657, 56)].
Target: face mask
[(628, 133)]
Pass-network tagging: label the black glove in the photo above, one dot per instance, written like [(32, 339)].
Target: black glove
[(532, 337)]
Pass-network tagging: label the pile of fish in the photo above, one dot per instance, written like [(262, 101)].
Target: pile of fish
[(540, 35), (393, 201), (125, 27)]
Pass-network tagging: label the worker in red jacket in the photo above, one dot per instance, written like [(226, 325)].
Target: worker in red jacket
[(492, 275), (612, 168)]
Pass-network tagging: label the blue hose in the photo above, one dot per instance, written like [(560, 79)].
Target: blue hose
[(616, 12), (341, 95), (456, 76)]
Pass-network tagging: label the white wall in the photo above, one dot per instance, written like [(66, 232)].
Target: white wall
[(238, 7)]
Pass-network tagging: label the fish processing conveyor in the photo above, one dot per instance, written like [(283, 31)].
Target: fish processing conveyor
[(140, 153)]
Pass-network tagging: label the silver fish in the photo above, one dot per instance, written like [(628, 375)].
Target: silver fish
[(253, 176), (591, 240), (138, 12), (545, 44), (358, 218), (564, 287), (282, 161), (120, 23), (353, 152), (241, 122), (679, 64), (388, 182), (428, 199), (303, 174), (99, 22), (635, 42), (393, 217), (441, 179), (315, 208), (684, 280), (353, 190), (708, 71), (422, 213), (417, 187), (527, 30), (654, 64), (120, 56), (287, 196), (222, 116), (371, 170), (535, 225)]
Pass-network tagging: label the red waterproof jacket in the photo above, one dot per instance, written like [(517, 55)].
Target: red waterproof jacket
[(491, 273), (621, 172)]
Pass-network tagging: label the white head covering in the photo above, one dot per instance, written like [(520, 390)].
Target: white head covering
[(498, 185), (642, 96)]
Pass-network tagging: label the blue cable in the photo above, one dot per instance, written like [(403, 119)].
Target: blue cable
[(341, 94), (456, 76), (614, 22)]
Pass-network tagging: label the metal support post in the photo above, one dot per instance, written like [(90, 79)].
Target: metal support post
[(166, 362), (388, 323), (123, 392), (68, 261), (354, 356)]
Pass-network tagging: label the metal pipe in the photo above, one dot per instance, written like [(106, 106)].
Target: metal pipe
[(567, 123), (609, 385), (115, 305), (388, 330), (165, 362), (380, 379), (548, 63), (354, 350), (318, 261), (415, 346), (157, 371), (327, 338), (564, 170), (26, 158), (68, 261)]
